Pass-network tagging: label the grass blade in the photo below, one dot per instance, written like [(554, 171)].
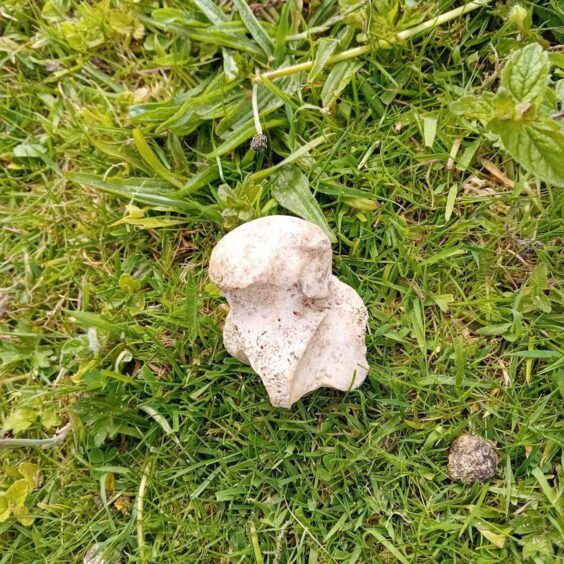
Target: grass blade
[(385, 542), (451, 199), (192, 307), (255, 543), (429, 130)]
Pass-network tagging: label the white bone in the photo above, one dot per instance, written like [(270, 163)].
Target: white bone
[(295, 323)]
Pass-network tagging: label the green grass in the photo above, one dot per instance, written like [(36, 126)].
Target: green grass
[(124, 151)]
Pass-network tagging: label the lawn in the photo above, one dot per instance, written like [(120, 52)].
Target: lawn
[(434, 154)]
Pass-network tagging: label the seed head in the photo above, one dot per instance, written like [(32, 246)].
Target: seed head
[(259, 142)]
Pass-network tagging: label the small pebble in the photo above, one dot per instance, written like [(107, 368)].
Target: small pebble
[(472, 459)]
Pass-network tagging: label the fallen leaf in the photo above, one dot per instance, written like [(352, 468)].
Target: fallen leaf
[(494, 538)]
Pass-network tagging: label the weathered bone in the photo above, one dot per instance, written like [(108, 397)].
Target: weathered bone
[(295, 323)]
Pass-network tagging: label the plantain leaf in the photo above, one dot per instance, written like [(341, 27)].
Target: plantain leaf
[(121, 152), (324, 50), (254, 27), (341, 74), (202, 178), (122, 188), (211, 11), (149, 156), (291, 190)]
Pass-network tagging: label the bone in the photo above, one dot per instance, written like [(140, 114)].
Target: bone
[(290, 319)]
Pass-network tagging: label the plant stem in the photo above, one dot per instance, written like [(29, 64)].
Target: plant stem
[(363, 49), (139, 516), (58, 437), (324, 27), (254, 101)]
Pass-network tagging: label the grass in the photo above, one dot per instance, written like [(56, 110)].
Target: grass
[(124, 143)]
